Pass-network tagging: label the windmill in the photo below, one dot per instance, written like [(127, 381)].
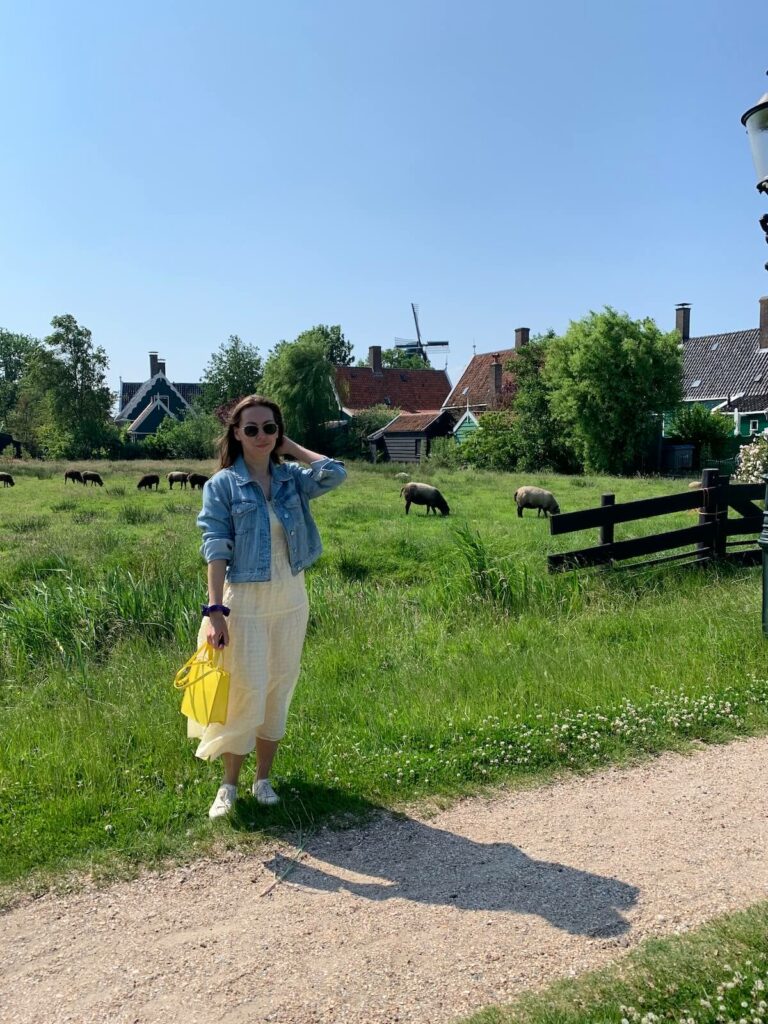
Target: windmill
[(418, 347)]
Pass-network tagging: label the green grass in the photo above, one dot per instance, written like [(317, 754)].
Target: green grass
[(440, 657), (717, 973)]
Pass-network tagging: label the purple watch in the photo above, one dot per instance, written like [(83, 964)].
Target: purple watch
[(208, 608)]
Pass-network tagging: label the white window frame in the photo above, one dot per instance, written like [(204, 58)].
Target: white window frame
[(754, 426)]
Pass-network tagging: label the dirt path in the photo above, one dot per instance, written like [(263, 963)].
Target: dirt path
[(406, 920)]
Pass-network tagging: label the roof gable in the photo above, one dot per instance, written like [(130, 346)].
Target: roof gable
[(358, 387), (474, 385), (150, 418), (157, 385)]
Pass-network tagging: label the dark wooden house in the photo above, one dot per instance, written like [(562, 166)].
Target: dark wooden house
[(143, 407), (408, 437)]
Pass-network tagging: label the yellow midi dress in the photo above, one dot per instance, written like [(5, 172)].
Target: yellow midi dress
[(267, 625)]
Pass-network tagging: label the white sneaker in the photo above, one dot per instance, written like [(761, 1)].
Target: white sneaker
[(224, 802), (264, 793)]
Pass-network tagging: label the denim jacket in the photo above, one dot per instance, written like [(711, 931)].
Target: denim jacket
[(235, 518)]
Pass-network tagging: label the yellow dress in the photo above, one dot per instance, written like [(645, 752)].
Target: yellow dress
[(267, 625)]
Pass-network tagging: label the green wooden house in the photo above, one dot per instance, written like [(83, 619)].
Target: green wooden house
[(728, 373), (484, 385)]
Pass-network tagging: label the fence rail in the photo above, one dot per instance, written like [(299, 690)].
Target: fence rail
[(710, 536)]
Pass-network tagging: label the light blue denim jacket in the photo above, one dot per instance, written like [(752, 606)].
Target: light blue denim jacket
[(235, 518)]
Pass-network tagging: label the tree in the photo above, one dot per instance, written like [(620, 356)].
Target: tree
[(298, 376), (15, 353), (338, 351), (398, 359), (70, 373), (694, 424), (234, 371), (611, 380), (543, 439), (350, 439)]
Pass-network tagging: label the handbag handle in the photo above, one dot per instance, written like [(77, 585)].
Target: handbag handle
[(212, 656)]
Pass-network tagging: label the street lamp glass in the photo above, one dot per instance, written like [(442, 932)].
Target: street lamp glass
[(756, 122)]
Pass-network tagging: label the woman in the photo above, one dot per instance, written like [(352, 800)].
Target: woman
[(258, 538)]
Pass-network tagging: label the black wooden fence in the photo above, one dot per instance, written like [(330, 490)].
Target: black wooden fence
[(711, 538)]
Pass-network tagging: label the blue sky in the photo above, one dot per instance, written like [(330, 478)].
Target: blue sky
[(177, 172)]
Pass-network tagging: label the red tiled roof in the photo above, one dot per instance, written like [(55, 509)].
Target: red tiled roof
[(409, 421), (409, 390), (477, 378)]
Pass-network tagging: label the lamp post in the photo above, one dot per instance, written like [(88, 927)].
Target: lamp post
[(755, 120)]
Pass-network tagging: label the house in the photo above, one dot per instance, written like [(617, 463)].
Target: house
[(728, 373), (143, 407), (417, 395), (483, 385), (407, 437), (360, 387)]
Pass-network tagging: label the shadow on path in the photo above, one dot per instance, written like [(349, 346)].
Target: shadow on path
[(407, 859)]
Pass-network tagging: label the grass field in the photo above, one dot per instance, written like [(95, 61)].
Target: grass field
[(719, 973), (440, 656)]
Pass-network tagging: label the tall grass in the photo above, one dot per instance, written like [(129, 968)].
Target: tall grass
[(440, 656)]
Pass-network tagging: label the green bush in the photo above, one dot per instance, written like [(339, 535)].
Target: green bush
[(495, 444), (445, 453)]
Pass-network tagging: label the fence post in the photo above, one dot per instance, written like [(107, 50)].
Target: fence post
[(763, 542), (606, 532), (708, 511)]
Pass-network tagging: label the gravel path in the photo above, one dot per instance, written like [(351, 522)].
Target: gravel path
[(406, 920)]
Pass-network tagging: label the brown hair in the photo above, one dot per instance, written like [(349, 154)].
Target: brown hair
[(230, 448)]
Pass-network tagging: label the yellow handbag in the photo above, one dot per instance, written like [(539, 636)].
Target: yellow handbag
[(206, 687)]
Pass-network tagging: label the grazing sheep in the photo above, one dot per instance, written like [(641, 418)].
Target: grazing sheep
[(89, 477), (148, 480), (177, 478), (7, 480), (424, 494), (401, 476), (196, 480), (538, 498), (75, 476)]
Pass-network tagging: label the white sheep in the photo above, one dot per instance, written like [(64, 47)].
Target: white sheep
[(538, 498)]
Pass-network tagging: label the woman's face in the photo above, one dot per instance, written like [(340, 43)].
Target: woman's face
[(259, 444)]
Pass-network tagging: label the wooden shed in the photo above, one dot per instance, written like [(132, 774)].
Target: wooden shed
[(407, 437)]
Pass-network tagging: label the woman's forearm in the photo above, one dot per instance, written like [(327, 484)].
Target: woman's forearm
[(296, 451), (216, 573)]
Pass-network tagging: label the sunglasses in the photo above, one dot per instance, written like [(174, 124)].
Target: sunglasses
[(252, 429)]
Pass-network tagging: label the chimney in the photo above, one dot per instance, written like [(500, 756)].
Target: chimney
[(683, 320), (522, 335), (153, 361), (161, 366), (495, 375), (374, 359), (764, 322)]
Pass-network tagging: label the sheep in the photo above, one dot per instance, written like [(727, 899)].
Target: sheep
[(401, 476), (424, 494), (177, 478), (75, 476), (89, 477), (7, 480), (538, 498), (196, 480), (148, 481)]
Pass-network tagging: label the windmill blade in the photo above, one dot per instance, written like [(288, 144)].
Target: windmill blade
[(401, 342), (444, 343), (415, 309)]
